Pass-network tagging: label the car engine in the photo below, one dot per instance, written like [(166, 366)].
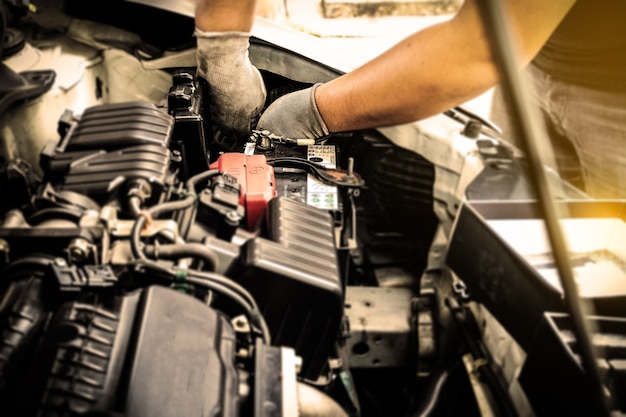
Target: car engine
[(130, 231), (152, 266)]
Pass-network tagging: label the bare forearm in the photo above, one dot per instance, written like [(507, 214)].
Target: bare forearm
[(432, 70), (413, 80), (224, 15)]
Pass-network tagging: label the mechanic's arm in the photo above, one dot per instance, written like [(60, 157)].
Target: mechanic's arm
[(431, 71), (237, 91)]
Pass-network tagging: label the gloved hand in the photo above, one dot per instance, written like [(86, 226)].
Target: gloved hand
[(236, 87), (295, 115)]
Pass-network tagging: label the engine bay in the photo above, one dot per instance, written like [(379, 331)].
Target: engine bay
[(128, 206), (145, 251), (153, 266)]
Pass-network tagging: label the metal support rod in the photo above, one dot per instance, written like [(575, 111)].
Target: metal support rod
[(531, 132)]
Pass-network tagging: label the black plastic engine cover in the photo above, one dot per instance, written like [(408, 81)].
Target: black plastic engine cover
[(109, 146), (117, 125), (183, 360), (155, 352), (96, 174), (296, 281)]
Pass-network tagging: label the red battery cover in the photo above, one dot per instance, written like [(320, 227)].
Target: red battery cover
[(257, 182)]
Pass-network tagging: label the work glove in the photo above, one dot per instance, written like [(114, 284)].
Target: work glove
[(295, 115), (237, 91)]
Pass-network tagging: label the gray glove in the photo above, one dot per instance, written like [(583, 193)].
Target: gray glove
[(236, 87), (295, 115)]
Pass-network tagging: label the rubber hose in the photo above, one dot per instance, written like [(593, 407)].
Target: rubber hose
[(134, 206), (184, 250), (135, 238)]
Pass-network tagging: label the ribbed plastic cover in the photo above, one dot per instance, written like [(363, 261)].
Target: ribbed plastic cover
[(98, 173), (296, 280), (112, 126), (110, 145)]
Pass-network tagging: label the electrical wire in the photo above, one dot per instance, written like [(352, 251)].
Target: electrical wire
[(224, 280), (231, 284), (222, 285), (253, 313)]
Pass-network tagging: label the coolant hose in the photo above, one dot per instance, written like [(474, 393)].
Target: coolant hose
[(314, 403)]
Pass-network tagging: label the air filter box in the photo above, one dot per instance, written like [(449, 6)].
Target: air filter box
[(153, 352), (294, 276)]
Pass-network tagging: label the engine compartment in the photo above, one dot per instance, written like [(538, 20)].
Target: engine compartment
[(151, 265), (143, 251)]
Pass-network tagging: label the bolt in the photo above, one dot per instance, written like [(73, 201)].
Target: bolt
[(232, 218), (78, 250)]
